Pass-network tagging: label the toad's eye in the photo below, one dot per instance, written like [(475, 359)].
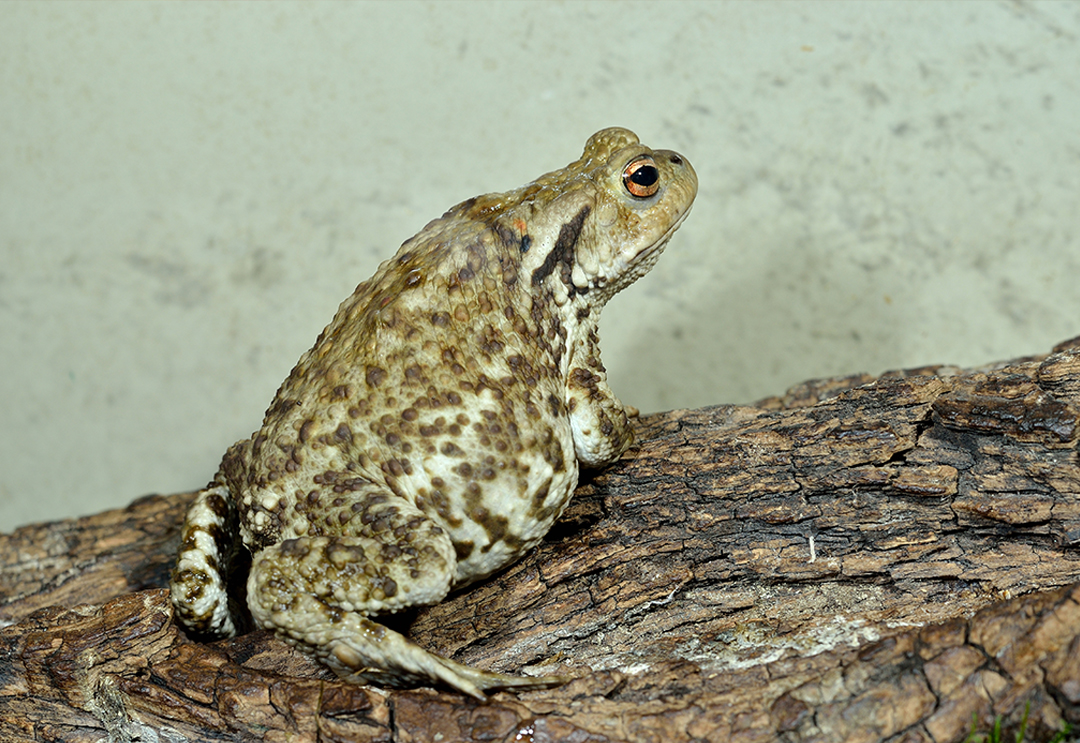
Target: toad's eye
[(641, 177)]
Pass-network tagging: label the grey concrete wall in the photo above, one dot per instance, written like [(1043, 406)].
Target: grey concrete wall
[(188, 191)]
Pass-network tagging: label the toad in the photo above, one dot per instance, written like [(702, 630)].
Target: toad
[(435, 430)]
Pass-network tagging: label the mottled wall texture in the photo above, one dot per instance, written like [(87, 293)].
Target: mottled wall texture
[(188, 191)]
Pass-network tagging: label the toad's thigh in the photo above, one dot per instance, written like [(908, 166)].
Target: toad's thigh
[(394, 558)]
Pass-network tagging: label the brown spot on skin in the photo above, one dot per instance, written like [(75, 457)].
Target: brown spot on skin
[(563, 251), (555, 457), (375, 376), (217, 505), (494, 526), (509, 275), (306, 429), (540, 496), (443, 508), (506, 236), (293, 548), (554, 405), (586, 380), (464, 549), (451, 449)]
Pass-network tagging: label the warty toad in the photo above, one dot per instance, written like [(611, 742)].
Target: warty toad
[(434, 432)]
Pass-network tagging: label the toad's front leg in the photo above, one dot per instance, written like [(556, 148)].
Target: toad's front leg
[(598, 419), (318, 592)]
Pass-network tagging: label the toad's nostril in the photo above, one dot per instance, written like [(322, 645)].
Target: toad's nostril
[(675, 159)]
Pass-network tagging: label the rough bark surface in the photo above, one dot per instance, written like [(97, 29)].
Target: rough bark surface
[(861, 559)]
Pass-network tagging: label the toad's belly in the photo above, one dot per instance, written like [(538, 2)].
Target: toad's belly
[(493, 527)]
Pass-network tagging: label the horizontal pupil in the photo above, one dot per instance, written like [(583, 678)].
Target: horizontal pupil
[(646, 175)]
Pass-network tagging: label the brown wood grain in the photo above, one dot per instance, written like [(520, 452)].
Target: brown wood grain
[(859, 559)]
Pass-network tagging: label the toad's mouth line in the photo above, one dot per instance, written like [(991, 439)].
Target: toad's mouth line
[(661, 241)]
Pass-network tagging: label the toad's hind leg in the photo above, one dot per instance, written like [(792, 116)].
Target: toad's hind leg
[(363, 651), (319, 591), (199, 586)]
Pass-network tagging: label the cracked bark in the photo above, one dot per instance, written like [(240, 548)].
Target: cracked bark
[(860, 559)]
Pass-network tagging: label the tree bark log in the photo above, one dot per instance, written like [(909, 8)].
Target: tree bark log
[(861, 559)]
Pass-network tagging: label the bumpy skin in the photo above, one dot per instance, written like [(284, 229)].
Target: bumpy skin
[(433, 433)]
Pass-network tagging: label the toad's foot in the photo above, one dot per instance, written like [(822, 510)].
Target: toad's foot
[(363, 651)]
